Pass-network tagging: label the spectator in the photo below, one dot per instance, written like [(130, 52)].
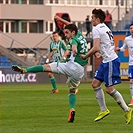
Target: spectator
[(88, 23), (108, 19)]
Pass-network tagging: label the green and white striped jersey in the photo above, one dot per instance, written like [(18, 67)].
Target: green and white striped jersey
[(58, 49)]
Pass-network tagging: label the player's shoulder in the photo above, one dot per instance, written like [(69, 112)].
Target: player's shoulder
[(62, 42), (128, 37)]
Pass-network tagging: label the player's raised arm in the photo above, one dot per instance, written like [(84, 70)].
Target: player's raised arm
[(57, 18), (93, 50)]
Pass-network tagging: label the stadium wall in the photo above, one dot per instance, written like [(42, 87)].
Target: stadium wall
[(7, 76), (119, 37)]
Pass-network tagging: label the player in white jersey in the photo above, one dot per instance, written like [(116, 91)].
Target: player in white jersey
[(109, 69), (128, 43)]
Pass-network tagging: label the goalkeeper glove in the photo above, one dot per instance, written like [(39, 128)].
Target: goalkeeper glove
[(47, 61), (63, 60)]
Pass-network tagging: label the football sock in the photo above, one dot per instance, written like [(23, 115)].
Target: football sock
[(119, 99), (72, 100), (35, 69), (131, 89), (53, 82), (100, 98)]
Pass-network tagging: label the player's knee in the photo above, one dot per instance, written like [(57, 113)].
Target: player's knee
[(72, 90), (109, 89), (95, 83), (50, 75)]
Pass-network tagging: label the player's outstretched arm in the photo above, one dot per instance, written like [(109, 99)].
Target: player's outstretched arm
[(93, 50), (57, 18)]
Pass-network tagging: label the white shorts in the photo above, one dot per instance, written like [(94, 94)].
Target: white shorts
[(72, 70)]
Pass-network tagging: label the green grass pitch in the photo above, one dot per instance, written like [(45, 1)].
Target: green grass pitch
[(30, 108)]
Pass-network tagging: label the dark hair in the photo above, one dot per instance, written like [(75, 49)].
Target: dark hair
[(55, 32), (72, 27), (130, 25), (99, 14)]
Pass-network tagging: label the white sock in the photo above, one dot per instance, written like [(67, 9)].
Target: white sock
[(100, 98), (119, 99), (131, 89)]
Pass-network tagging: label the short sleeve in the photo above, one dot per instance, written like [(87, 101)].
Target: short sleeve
[(95, 33), (63, 45)]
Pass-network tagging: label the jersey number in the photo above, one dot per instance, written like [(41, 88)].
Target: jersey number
[(109, 33)]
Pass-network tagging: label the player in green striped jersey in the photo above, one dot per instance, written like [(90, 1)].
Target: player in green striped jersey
[(58, 51)]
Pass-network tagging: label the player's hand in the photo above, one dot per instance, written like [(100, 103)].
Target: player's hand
[(97, 55), (47, 61), (57, 18), (83, 56), (62, 60), (117, 49)]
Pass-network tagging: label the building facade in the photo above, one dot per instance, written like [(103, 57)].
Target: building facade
[(32, 21)]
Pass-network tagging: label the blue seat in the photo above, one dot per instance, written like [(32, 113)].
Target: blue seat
[(8, 63), (126, 27), (132, 20), (14, 63), (4, 59)]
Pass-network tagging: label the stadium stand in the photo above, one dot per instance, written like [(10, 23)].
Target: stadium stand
[(126, 27), (5, 62)]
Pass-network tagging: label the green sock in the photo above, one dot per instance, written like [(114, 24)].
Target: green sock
[(72, 100), (35, 69), (53, 82)]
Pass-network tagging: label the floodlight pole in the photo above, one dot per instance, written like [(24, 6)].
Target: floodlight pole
[(126, 6), (118, 10)]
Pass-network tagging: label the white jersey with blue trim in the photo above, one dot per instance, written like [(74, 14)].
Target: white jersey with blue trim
[(128, 43), (107, 48)]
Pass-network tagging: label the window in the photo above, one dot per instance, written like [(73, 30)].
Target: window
[(36, 27), (105, 2), (24, 27), (84, 2), (7, 27), (117, 2), (90, 2), (33, 27), (14, 1), (36, 1), (40, 26), (1, 26), (122, 2), (14, 26), (100, 2), (1, 1), (24, 1), (56, 1), (51, 1), (96, 2), (62, 2), (74, 2), (51, 26), (79, 2), (68, 1)]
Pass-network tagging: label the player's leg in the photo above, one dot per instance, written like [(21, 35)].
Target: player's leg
[(73, 84), (96, 84), (53, 82), (36, 69), (130, 76), (112, 78), (32, 69), (74, 72), (131, 92)]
